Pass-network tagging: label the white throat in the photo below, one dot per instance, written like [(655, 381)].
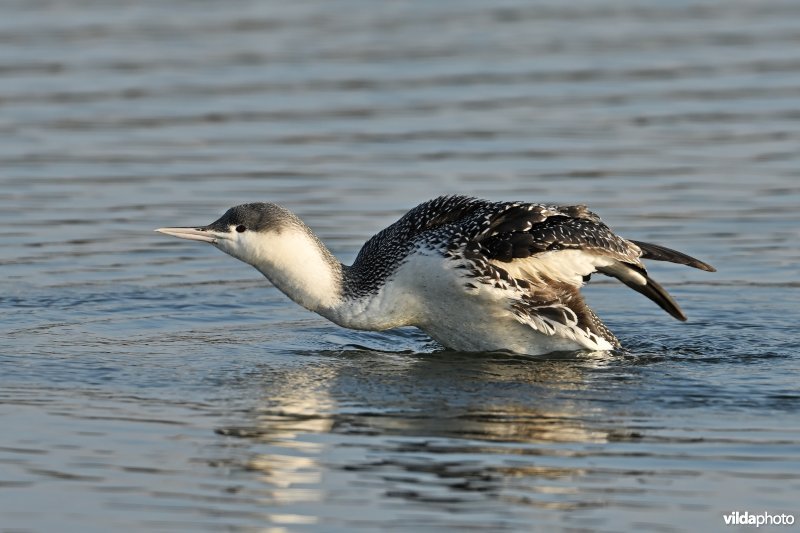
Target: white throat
[(295, 261)]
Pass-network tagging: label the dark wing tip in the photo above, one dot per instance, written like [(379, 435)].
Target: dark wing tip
[(660, 296), (662, 253), (648, 287)]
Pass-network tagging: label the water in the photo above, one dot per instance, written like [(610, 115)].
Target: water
[(153, 384)]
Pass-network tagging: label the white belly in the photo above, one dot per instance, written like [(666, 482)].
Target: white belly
[(429, 293)]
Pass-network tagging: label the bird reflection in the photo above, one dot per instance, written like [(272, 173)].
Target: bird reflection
[(474, 423)]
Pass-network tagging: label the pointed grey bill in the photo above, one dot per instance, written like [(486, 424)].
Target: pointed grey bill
[(194, 234)]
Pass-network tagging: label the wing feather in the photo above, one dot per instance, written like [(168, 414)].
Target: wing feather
[(565, 244), (662, 253)]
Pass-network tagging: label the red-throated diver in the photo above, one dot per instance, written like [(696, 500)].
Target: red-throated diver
[(474, 275)]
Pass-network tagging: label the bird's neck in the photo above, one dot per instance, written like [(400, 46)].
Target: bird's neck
[(300, 266)]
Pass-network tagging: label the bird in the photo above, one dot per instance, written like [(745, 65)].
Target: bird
[(475, 275)]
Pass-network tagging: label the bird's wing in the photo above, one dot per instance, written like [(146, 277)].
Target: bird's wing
[(550, 308), (552, 243), (562, 246), (662, 253)]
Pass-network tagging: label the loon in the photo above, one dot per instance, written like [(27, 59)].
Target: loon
[(474, 275)]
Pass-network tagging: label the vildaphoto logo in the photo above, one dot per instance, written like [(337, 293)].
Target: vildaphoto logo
[(746, 518)]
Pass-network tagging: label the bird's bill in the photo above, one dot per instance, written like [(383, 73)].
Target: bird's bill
[(193, 234)]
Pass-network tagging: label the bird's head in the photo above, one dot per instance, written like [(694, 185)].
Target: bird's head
[(249, 232), (276, 242)]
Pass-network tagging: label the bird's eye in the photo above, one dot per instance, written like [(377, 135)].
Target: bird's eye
[(240, 228)]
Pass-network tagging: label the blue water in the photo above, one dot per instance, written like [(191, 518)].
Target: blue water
[(151, 384)]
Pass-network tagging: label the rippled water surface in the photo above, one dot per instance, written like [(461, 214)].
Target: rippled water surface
[(151, 384)]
